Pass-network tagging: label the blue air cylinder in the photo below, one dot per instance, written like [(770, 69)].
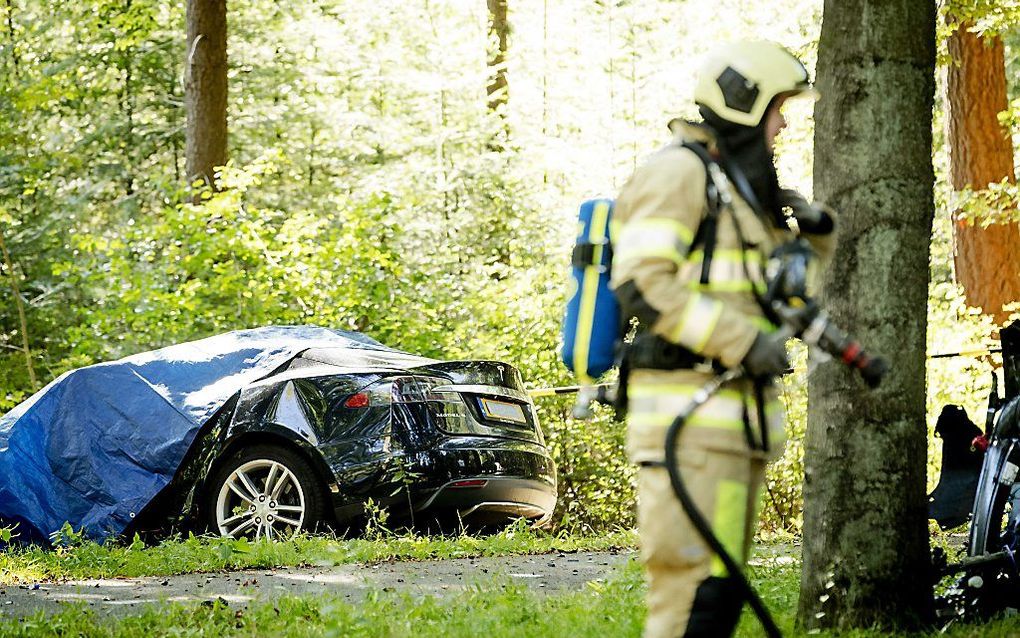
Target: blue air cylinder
[(591, 324)]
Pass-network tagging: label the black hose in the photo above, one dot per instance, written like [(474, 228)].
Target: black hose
[(735, 572)]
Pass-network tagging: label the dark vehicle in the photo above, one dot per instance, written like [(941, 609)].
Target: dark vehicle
[(979, 484), (340, 421), (434, 441)]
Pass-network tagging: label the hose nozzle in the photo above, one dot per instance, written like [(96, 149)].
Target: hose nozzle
[(873, 370)]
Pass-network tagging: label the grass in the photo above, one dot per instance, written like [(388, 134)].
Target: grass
[(493, 607), (496, 606), (86, 559)]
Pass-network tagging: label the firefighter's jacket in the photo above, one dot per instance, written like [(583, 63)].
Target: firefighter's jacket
[(657, 277)]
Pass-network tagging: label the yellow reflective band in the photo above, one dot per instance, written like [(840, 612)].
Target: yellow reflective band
[(755, 505), (763, 324), (721, 286), (697, 420), (665, 389), (615, 225), (698, 322), (589, 291), (727, 272), (732, 255), (599, 230), (729, 522), (653, 237), (642, 252), (664, 225)]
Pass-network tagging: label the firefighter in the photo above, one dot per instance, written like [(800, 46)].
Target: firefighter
[(697, 318)]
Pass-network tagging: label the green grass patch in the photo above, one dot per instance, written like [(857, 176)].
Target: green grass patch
[(777, 579), (492, 607), (85, 559), (497, 610)]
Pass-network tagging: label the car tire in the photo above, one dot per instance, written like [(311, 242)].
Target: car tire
[(265, 491)]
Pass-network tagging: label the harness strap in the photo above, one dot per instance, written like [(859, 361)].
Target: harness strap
[(707, 229), (759, 399)]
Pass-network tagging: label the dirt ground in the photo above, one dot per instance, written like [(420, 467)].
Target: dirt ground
[(548, 572)]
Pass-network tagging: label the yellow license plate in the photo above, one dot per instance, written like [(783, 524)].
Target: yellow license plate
[(503, 411)]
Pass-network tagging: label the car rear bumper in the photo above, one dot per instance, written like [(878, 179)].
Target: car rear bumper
[(487, 499), (519, 481)]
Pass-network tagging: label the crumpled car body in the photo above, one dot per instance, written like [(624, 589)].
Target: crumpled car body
[(133, 445)]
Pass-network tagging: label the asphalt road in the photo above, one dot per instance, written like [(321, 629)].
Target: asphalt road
[(547, 572)]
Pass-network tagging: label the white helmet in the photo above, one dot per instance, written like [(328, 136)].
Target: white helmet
[(738, 81)]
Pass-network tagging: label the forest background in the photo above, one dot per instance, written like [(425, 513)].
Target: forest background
[(376, 185)]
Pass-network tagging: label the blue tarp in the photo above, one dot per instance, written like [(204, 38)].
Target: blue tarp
[(97, 444)]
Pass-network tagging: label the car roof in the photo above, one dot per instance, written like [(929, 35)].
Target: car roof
[(365, 358)]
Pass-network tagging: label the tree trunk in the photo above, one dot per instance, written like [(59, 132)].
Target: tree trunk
[(206, 89), (866, 555), (19, 303), (499, 30), (981, 152)]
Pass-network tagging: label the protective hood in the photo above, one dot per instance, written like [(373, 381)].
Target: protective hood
[(744, 149), (97, 444)]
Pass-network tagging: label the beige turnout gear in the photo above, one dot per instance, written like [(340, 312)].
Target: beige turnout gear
[(723, 447)]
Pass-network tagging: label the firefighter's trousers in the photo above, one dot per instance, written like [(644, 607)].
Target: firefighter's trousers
[(689, 591)]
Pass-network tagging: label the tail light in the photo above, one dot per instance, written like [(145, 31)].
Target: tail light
[(469, 483), (419, 389), (408, 389), (359, 400)]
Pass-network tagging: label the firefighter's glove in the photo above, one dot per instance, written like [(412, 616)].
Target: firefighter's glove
[(814, 219), (767, 356)]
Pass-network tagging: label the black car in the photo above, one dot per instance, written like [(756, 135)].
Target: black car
[(433, 442), (313, 432)]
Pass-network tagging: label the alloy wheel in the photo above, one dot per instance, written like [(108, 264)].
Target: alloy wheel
[(261, 498)]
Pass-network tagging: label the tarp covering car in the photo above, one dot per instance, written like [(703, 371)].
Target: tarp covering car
[(98, 443)]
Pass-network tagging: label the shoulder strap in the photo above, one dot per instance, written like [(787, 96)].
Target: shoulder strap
[(744, 188), (705, 235)]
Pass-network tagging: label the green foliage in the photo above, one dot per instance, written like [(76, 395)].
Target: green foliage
[(987, 16), (7, 534), (782, 496), (67, 537), (996, 203), (376, 521), (596, 481)]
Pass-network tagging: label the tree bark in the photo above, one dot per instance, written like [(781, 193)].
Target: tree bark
[(981, 152), (498, 91), (866, 552), (205, 89)]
